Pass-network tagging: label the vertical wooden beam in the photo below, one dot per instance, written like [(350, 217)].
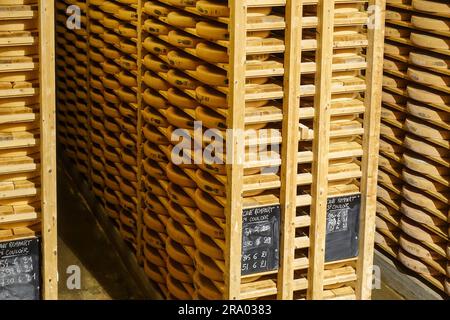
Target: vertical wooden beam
[(372, 118), (235, 148), (290, 135), (48, 149), (139, 130), (319, 188)]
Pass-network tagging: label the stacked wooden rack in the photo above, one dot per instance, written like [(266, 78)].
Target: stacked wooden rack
[(414, 186), (27, 146), (299, 84)]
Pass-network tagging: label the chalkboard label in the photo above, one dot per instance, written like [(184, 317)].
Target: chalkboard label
[(260, 239), (19, 269), (342, 227)]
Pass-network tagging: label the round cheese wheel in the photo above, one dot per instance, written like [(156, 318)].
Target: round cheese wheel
[(212, 31), (429, 41), (154, 64), (391, 131), (181, 80), (396, 49), (127, 79), (212, 75), (158, 257), (207, 246), (417, 197), (428, 60), (155, 82), (395, 82), (153, 8), (382, 224), (152, 151), (155, 46), (180, 99), (427, 95), (212, 53), (386, 195), (176, 231), (179, 196), (111, 38), (431, 6), (178, 252), (180, 272), (416, 248), (208, 204), (416, 231), (206, 266), (211, 98), (182, 60), (178, 118), (426, 112), (152, 222), (208, 183), (417, 214), (154, 273), (206, 289), (428, 78), (213, 8), (390, 147), (424, 129), (394, 65), (393, 98), (397, 32), (156, 27), (178, 214), (179, 290), (419, 181), (154, 117), (154, 100), (209, 226), (392, 14), (423, 147), (176, 175), (181, 20), (392, 114), (182, 39), (415, 264), (430, 23), (424, 166), (210, 119), (182, 3)]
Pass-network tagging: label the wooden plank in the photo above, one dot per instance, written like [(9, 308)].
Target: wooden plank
[(235, 171), (372, 118), (48, 149), (319, 188), (290, 137)]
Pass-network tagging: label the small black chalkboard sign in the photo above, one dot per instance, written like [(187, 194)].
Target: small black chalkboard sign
[(19, 269), (260, 239), (342, 227)]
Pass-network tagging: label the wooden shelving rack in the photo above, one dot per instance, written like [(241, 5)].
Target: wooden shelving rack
[(413, 207), (27, 130), (154, 70)]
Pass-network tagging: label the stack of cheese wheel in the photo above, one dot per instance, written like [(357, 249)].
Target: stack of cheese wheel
[(423, 67), (186, 80), (20, 152), (73, 57)]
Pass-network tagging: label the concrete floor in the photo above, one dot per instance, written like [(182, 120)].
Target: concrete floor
[(83, 243)]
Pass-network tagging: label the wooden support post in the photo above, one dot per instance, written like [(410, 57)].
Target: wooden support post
[(291, 115), (372, 116), (48, 149), (235, 149), (322, 112)]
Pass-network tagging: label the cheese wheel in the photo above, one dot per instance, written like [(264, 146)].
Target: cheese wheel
[(397, 32), (156, 27), (390, 165), (208, 183), (181, 20), (207, 246), (393, 81), (207, 289), (211, 53), (153, 117), (417, 197), (206, 266), (212, 75), (397, 15), (394, 65), (388, 179), (109, 7), (152, 222), (209, 226), (430, 23), (387, 195), (210, 98), (416, 231), (153, 8), (178, 214), (428, 60), (417, 180), (391, 114), (426, 130), (178, 118), (156, 46), (182, 60), (212, 31), (110, 23), (210, 119), (208, 204), (179, 290), (177, 252), (427, 95), (155, 82), (393, 98), (126, 79), (427, 113), (176, 231), (390, 147), (417, 214), (154, 64), (182, 3), (179, 196), (176, 175), (391, 131), (182, 40), (181, 80), (416, 248), (382, 224), (154, 273), (180, 99), (180, 272), (396, 49), (154, 187), (154, 100), (429, 41), (428, 78), (431, 6), (213, 8), (126, 95), (424, 166), (152, 151)]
